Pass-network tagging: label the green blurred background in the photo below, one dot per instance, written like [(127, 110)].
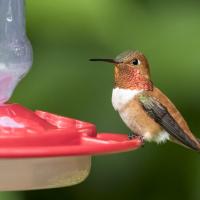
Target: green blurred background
[(64, 35)]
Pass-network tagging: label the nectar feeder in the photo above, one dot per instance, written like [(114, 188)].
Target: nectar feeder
[(39, 149)]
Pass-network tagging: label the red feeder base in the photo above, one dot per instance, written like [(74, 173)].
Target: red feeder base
[(24, 133), (43, 150)]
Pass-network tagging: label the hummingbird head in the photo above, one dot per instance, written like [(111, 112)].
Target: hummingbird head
[(131, 71)]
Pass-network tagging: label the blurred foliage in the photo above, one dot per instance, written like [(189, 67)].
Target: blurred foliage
[(64, 35)]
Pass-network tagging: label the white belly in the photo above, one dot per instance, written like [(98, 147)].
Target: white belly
[(120, 97)]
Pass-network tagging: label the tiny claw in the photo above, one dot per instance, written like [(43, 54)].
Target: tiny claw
[(132, 136)]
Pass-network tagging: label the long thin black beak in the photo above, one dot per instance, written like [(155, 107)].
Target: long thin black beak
[(104, 60)]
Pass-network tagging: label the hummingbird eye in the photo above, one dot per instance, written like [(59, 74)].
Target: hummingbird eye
[(135, 62)]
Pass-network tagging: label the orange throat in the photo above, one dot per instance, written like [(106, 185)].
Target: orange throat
[(132, 78)]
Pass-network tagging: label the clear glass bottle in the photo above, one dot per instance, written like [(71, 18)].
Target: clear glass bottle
[(15, 48)]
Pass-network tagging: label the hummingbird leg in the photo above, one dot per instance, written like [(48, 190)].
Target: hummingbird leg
[(132, 136)]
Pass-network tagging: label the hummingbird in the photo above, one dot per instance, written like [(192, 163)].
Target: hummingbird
[(146, 111)]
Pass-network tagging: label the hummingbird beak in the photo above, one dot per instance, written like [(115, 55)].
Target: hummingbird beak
[(105, 60)]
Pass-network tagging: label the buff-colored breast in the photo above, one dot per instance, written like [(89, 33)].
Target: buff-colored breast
[(139, 121)]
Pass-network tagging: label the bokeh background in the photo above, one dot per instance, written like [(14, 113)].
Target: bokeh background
[(64, 35)]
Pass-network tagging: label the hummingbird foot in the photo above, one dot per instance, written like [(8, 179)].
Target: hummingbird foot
[(132, 136)]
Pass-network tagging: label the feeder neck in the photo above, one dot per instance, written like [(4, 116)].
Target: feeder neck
[(12, 20)]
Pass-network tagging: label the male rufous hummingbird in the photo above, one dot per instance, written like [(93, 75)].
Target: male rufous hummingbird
[(142, 106)]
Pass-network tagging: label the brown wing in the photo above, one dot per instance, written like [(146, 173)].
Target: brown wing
[(156, 93), (157, 111)]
